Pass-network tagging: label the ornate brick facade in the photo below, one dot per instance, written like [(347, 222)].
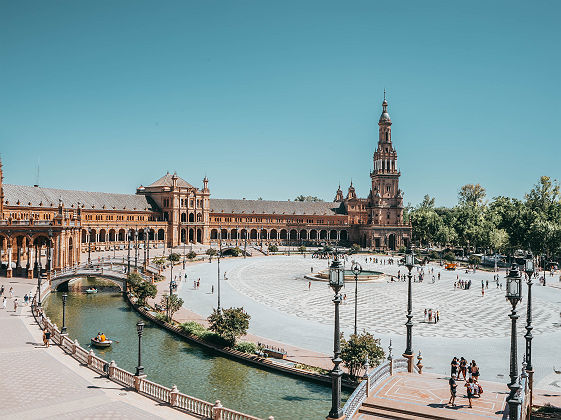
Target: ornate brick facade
[(42, 227)]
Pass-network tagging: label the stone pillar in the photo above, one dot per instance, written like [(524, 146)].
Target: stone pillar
[(18, 255), (9, 270), (216, 410), (29, 261), (173, 396)]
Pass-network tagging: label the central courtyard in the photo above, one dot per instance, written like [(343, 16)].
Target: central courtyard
[(287, 307)]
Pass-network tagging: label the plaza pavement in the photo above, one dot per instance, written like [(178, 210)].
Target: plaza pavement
[(45, 383), (274, 292)]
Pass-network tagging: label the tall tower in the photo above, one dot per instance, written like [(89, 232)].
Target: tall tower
[(387, 200), (1, 190)]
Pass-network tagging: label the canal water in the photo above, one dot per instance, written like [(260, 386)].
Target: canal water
[(169, 360)]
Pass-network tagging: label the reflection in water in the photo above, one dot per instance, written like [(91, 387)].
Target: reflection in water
[(169, 360)]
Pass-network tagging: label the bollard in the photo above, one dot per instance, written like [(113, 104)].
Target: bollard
[(173, 396), (216, 410), (112, 367), (138, 381), (74, 346), (90, 357), (419, 364)]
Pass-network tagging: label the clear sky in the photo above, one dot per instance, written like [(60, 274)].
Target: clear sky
[(276, 99)]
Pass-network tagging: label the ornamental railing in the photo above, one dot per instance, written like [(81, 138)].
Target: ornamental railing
[(140, 384), (374, 378)]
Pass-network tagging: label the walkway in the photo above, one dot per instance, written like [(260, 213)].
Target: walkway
[(44, 383)]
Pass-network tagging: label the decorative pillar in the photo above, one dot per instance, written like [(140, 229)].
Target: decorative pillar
[(9, 270), (29, 260)]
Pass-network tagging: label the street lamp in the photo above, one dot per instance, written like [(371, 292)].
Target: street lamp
[(219, 255), (50, 253), (514, 295), (89, 247), (129, 252), (356, 269), (63, 329), (529, 269), (336, 281), (136, 249), (139, 367), (409, 263), (39, 287)]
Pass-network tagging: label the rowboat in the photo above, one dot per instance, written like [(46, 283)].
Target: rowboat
[(106, 343), (91, 291)]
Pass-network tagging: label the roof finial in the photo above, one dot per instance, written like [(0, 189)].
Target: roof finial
[(384, 94)]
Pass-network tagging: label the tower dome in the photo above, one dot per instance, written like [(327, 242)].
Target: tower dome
[(385, 117)]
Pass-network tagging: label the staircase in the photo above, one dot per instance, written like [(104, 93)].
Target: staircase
[(376, 411)]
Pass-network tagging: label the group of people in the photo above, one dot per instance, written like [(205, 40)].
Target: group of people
[(459, 369), (100, 337), (432, 315), (462, 284)]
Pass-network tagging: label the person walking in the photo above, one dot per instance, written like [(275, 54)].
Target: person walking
[(2, 290), (15, 305), (453, 387), (454, 367), (11, 292), (463, 363), (4, 302), (46, 337), (469, 388)]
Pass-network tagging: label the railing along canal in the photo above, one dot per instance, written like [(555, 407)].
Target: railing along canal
[(362, 391), (151, 389)]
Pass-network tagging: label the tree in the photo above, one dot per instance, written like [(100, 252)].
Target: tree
[(174, 257), (307, 198), (134, 279), (171, 304), (471, 195), (211, 251), (273, 248), (159, 261), (355, 248), (230, 323), (191, 255), (143, 291), (301, 249), (354, 351)]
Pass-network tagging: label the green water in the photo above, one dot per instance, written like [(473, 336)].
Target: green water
[(169, 360)]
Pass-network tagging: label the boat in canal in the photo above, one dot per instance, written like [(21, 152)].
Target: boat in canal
[(101, 344), (91, 291)]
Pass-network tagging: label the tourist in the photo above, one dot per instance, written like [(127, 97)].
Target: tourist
[(474, 371), (11, 292), (470, 390), (212, 289), (2, 290), (453, 386), (309, 285), (4, 302), (454, 367), (46, 337), (15, 305), (463, 367), (198, 283)]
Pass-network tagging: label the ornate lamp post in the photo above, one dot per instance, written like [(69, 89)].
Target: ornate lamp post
[(63, 329), (356, 269), (336, 281), (139, 367), (89, 247), (129, 252), (514, 295), (50, 253), (529, 269), (409, 263), (136, 249), (147, 233), (39, 288), (219, 255)]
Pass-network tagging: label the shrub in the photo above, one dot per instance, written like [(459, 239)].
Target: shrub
[(273, 248), (192, 327), (246, 347), (191, 255), (449, 256), (161, 317), (433, 255), (402, 250), (214, 338), (354, 351), (355, 248), (474, 260), (229, 323), (301, 249)]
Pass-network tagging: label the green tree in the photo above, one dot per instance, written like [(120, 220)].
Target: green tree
[(301, 249), (191, 255), (174, 257), (307, 198), (143, 291), (273, 248), (230, 323), (211, 252), (159, 261), (171, 304), (354, 351), (355, 248), (471, 195)]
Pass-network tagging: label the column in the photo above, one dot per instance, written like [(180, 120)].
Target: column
[(9, 271), (18, 255), (29, 260)]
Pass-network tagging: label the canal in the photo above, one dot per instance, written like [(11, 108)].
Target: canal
[(169, 360)]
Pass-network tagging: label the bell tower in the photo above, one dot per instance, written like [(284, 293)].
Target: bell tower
[(1, 191), (387, 200)]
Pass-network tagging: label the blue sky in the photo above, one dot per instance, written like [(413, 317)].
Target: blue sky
[(277, 99)]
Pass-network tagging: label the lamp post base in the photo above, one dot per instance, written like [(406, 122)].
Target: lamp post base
[(409, 358)]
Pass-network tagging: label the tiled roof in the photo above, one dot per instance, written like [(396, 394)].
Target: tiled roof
[(220, 205), (39, 196), (166, 181)]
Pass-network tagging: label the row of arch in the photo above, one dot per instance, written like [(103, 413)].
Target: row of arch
[(191, 217), (113, 235), (282, 234), (194, 235)]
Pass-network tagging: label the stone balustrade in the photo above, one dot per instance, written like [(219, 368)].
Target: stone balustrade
[(142, 385)]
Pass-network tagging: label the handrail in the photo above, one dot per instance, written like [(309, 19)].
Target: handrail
[(374, 379), (152, 389)]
